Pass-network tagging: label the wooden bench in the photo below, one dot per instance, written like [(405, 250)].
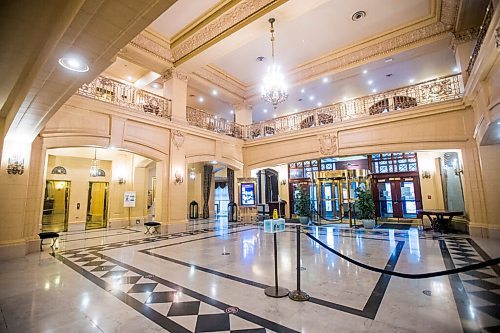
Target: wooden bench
[(152, 227), (47, 235)]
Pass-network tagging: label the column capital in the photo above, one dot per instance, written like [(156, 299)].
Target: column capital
[(175, 73), (242, 106)]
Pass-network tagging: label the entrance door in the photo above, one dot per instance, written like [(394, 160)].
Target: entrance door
[(97, 206), (398, 197), (55, 206), (331, 201)]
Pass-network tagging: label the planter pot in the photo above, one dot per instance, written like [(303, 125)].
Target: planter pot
[(368, 224), (304, 219)]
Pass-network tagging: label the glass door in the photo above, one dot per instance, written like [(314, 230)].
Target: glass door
[(97, 206), (408, 200), (55, 206), (385, 203)]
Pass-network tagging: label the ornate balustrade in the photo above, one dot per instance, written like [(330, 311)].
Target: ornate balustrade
[(124, 95), (480, 37), (212, 123), (432, 91)]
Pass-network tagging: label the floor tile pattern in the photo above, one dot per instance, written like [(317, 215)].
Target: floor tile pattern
[(482, 286)]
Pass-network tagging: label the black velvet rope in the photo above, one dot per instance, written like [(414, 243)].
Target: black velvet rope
[(467, 268), (326, 219)]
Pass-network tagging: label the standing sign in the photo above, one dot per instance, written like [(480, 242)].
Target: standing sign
[(129, 199), (275, 225), (247, 194)]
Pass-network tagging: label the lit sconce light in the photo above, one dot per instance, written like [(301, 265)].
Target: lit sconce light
[(426, 174), (283, 181), (456, 167), (178, 178), (15, 165), (60, 185), (121, 180)]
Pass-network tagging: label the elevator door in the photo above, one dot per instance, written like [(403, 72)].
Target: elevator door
[(55, 205), (97, 206)]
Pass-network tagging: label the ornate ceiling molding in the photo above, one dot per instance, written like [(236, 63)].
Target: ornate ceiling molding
[(221, 26), (175, 73), (152, 44), (463, 37), (219, 78)]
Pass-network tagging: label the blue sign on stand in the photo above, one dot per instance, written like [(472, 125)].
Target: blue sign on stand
[(272, 226)]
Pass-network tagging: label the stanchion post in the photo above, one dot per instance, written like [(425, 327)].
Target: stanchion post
[(276, 291), (298, 295)]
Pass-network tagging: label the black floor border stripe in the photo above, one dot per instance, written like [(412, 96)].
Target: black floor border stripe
[(143, 309), (62, 240), (268, 324), (369, 310), (483, 254), (68, 233), (462, 301)]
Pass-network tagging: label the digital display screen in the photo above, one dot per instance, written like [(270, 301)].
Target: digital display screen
[(248, 194)]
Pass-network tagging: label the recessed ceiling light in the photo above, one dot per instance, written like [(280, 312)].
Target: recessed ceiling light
[(319, 104), (358, 15), (311, 98), (214, 162), (456, 69), (129, 78), (214, 92), (73, 64), (412, 80), (295, 110), (370, 82), (156, 85), (260, 59), (274, 115), (325, 80), (302, 90), (345, 98), (365, 71), (231, 112), (201, 99), (388, 60), (374, 90), (265, 110)]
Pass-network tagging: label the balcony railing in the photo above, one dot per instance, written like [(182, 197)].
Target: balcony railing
[(213, 123), (480, 36), (127, 96), (432, 91)]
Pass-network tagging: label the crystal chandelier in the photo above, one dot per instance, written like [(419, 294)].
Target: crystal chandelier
[(94, 167), (274, 89)]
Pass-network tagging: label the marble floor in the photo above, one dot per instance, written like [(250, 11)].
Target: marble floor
[(210, 276)]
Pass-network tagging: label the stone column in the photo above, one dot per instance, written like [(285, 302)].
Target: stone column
[(243, 113), (175, 88)]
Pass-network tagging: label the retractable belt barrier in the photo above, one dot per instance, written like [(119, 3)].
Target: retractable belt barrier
[(325, 218), (471, 267)]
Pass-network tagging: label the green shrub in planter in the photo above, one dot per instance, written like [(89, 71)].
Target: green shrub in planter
[(365, 207), (302, 205)]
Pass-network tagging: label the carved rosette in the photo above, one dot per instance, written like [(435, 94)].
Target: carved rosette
[(175, 73), (328, 144), (178, 139)]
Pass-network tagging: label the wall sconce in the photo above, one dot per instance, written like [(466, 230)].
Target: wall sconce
[(178, 178), (426, 174), (283, 182), (122, 180), (456, 167), (15, 165)]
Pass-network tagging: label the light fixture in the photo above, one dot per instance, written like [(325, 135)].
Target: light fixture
[(302, 90), (426, 174), (15, 165), (412, 80), (95, 171), (60, 185), (192, 174), (178, 179), (214, 92), (73, 64), (311, 98), (365, 71), (388, 60), (274, 89), (456, 69), (121, 180), (200, 99), (265, 110), (345, 98), (129, 78), (374, 90), (295, 110), (231, 111), (370, 82), (325, 80), (283, 181), (319, 104)]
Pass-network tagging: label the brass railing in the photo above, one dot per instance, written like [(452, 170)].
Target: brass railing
[(480, 36), (124, 95), (432, 91), (213, 123)]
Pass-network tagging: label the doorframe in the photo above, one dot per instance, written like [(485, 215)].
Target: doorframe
[(106, 203)]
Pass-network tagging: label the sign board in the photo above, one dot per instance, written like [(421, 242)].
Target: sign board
[(129, 199), (272, 226), (247, 194)]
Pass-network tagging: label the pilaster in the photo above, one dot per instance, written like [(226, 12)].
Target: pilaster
[(175, 88)]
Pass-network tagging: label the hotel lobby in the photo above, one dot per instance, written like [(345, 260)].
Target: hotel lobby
[(250, 166)]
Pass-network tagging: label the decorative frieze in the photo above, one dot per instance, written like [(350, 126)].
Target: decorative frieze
[(175, 73), (150, 46), (463, 37)]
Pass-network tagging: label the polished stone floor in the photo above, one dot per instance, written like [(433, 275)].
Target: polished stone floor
[(210, 276)]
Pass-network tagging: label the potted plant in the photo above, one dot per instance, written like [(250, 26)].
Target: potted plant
[(365, 207), (302, 205)]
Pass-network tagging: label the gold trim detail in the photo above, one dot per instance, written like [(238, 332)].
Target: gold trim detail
[(175, 73), (152, 44)]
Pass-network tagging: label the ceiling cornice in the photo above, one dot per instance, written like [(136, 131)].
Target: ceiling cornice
[(220, 26), (154, 44), (219, 78)]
